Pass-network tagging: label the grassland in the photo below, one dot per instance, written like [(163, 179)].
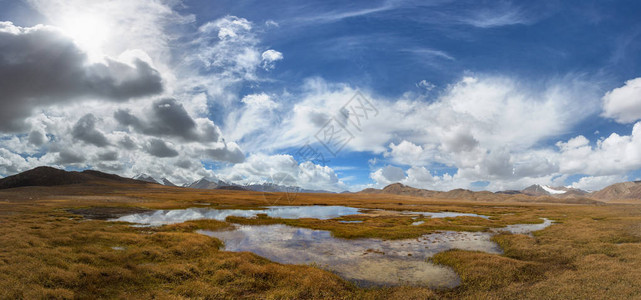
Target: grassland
[(46, 251)]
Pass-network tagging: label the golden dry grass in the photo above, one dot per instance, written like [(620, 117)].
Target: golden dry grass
[(594, 252)]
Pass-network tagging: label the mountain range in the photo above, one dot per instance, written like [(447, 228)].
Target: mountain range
[(619, 191), (147, 178), (48, 176), (214, 183)]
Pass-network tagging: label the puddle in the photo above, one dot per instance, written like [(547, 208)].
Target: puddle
[(350, 222), (163, 217), (525, 228), (446, 214), (367, 262), (417, 223)]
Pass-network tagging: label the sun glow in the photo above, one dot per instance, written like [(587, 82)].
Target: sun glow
[(89, 32)]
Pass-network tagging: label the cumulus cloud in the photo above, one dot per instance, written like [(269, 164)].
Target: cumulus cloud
[(407, 153), (623, 104), (68, 157), (283, 170), (229, 153), (415, 176), (610, 156), (269, 57), (37, 138), (472, 114), (167, 117), (387, 175), (595, 183), (85, 130), (108, 156), (40, 66), (11, 163), (159, 148), (127, 143)]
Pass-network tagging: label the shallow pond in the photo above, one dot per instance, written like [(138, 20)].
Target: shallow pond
[(446, 214), (368, 262), (163, 217)]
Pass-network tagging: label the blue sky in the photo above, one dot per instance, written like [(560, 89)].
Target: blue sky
[(468, 94)]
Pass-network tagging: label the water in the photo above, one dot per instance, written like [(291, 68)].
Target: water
[(525, 228), (367, 262), (446, 214), (162, 217)]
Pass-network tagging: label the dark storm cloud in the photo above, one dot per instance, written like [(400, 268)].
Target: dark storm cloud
[(85, 130), (39, 66), (167, 117), (232, 155), (127, 143), (158, 148), (67, 157), (36, 138), (183, 164), (109, 167), (108, 156)]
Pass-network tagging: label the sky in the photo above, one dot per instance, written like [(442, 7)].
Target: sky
[(325, 95)]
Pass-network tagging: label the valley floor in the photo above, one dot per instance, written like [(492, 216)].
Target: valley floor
[(55, 243)]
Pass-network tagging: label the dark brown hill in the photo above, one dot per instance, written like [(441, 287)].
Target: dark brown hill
[(48, 176)]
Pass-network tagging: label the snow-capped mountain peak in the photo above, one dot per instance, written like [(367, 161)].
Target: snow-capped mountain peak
[(145, 177), (552, 191), (167, 182)]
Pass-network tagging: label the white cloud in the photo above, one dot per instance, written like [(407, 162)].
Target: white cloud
[(227, 47), (253, 120), (623, 104), (269, 57), (407, 153), (283, 170), (610, 156), (595, 183)]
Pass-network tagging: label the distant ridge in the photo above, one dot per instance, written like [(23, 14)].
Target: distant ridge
[(48, 176), (232, 188), (214, 183), (463, 194), (619, 191), (544, 190), (401, 189)]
